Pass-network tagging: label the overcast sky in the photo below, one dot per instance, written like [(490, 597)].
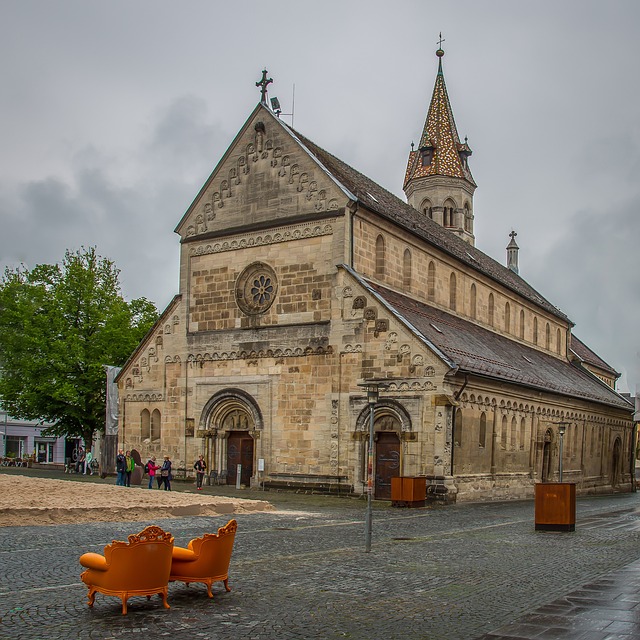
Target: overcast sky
[(113, 114)]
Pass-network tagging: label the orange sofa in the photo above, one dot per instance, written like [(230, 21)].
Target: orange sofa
[(139, 567), (205, 559)]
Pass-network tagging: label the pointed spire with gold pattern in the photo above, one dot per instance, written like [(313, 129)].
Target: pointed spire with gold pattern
[(438, 180)]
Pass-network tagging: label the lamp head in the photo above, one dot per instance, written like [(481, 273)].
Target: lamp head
[(372, 394)]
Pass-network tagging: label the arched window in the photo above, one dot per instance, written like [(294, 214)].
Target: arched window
[(503, 433), (452, 292), (558, 341), (431, 282), (507, 317), (535, 331), (145, 424), (406, 269), (458, 434), (523, 434), (427, 209), (472, 302), (547, 337), (155, 425), (491, 309), (380, 257), (482, 434), (514, 434), (521, 324), (448, 216)]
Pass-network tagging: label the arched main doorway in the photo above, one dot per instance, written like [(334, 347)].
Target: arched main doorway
[(233, 419), (390, 420)]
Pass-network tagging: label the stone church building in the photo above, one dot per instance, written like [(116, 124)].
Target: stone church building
[(301, 279)]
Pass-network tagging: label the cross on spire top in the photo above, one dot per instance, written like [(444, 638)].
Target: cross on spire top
[(513, 235), (263, 84), (440, 41)]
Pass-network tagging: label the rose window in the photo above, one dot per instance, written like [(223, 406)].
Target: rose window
[(256, 288)]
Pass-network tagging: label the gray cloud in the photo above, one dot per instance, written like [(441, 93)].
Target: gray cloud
[(114, 114)]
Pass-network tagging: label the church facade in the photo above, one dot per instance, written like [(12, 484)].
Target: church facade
[(303, 283)]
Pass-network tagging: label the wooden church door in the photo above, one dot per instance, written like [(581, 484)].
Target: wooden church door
[(387, 463), (239, 451)]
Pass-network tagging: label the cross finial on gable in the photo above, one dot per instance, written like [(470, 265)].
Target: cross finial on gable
[(263, 84), (513, 235)]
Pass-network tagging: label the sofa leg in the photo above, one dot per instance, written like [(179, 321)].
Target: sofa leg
[(226, 584), (164, 600), (92, 597)]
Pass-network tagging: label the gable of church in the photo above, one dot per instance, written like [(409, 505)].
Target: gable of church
[(266, 176)]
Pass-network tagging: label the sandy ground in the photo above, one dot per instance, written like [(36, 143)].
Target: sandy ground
[(38, 501)]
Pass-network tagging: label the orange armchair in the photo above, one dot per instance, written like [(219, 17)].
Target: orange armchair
[(205, 559), (139, 567)]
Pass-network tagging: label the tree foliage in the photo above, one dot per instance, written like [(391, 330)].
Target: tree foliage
[(59, 325)]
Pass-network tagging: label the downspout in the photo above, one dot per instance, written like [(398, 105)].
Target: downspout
[(353, 207), (456, 396)]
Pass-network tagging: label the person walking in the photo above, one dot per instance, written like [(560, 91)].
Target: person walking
[(87, 463), (165, 473), (200, 466), (121, 467), (130, 466), (152, 467)]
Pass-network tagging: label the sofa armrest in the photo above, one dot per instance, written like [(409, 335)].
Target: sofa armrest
[(183, 555), (94, 561)]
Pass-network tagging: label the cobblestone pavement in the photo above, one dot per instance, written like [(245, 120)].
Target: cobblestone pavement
[(451, 573)]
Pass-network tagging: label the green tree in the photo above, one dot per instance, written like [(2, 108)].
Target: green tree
[(59, 325)]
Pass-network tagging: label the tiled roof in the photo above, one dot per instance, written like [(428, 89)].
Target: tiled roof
[(441, 135), (377, 199), (476, 350), (583, 352)]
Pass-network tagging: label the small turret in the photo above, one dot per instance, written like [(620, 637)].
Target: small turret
[(512, 253)]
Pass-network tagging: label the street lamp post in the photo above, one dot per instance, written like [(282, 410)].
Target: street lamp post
[(561, 429), (372, 399)]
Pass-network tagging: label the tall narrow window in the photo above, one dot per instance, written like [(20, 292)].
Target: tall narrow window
[(431, 282), (535, 331), (155, 425), (452, 292), (523, 434), (482, 434), (558, 340), (521, 324), (491, 309), (472, 302), (503, 433), (145, 424), (406, 269), (380, 257), (514, 434), (547, 337), (507, 317)]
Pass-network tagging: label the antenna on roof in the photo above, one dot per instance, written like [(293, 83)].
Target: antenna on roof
[(275, 106)]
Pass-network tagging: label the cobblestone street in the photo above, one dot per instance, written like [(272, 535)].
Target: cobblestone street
[(452, 573)]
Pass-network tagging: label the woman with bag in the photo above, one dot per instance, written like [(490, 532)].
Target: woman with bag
[(165, 473)]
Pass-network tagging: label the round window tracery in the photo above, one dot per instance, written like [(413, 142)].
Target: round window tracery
[(256, 288)]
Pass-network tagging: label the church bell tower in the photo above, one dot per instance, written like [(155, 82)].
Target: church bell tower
[(438, 181)]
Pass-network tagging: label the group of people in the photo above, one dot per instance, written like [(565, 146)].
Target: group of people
[(161, 472), (125, 464)]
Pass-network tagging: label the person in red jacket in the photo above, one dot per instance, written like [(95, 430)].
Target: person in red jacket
[(152, 467)]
